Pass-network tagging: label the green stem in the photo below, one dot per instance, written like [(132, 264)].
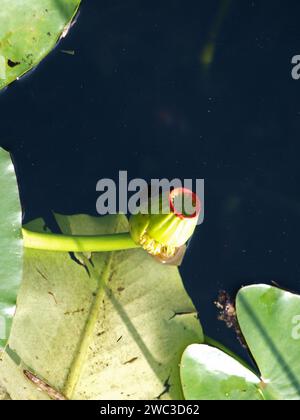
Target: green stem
[(65, 243)]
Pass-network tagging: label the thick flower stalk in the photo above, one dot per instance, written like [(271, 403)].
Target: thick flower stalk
[(68, 243)]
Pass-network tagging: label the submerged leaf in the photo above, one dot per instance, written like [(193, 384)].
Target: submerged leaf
[(29, 30), (10, 244), (109, 326)]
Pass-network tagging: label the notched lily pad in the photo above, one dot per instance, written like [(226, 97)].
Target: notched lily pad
[(269, 319)]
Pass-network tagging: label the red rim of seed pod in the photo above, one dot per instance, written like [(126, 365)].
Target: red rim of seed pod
[(196, 202)]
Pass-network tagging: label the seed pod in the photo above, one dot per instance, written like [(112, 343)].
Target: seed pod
[(166, 223)]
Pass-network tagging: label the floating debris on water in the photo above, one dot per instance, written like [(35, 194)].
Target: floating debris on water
[(68, 52)]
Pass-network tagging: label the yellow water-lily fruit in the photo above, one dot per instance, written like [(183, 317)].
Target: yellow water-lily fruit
[(168, 223)]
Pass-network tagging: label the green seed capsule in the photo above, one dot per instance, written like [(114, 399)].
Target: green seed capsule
[(169, 223)]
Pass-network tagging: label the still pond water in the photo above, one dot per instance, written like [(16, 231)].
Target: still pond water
[(136, 91)]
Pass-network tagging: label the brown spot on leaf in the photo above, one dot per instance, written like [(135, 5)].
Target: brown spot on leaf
[(53, 295), (131, 361), (42, 275), (12, 63), (78, 311), (262, 385)]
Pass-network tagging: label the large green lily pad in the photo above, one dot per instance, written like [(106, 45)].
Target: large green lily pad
[(270, 322), (107, 326), (29, 30), (268, 317), (10, 244)]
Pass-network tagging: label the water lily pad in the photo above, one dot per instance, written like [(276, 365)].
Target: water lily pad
[(29, 30), (100, 326), (10, 244), (210, 374), (269, 317), (270, 322)]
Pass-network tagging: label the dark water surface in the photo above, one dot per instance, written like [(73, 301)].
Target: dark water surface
[(135, 96)]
